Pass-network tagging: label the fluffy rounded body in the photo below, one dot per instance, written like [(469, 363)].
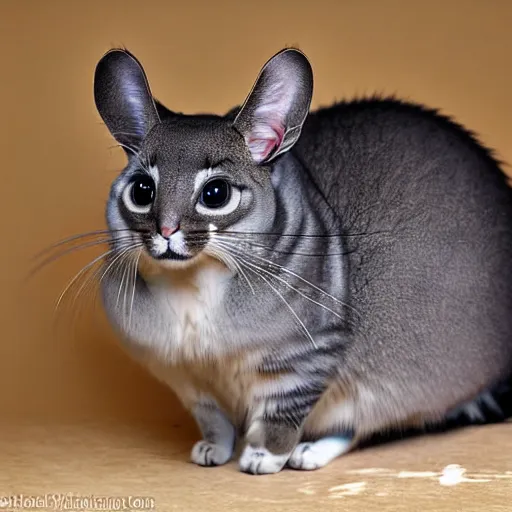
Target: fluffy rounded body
[(375, 293)]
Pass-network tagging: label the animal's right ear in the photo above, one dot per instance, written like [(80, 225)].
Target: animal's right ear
[(123, 98)]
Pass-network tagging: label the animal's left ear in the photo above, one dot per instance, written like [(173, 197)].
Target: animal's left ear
[(272, 116)]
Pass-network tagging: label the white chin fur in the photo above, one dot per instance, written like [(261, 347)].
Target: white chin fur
[(176, 243)]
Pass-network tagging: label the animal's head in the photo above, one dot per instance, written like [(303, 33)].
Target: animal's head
[(188, 176)]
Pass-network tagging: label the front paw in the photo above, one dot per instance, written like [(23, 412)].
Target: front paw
[(305, 457), (259, 461), (315, 455), (210, 454)]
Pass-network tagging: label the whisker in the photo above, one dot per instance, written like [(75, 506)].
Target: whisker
[(124, 267), (135, 269), (133, 151), (128, 284), (221, 254), (291, 287), (90, 279), (288, 271), (308, 334), (290, 235), (243, 274), (125, 253), (80, 273), (270, 249), (105, 232), (116, 258), (87, 267), (50, 259)]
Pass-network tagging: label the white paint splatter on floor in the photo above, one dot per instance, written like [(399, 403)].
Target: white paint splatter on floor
[(453, 474), (349, 489), (367, 471), (416, 474), (379, 481)]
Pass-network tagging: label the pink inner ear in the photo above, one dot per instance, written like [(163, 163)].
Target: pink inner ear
[(264, 139)]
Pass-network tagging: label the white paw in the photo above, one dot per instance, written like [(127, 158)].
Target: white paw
[(303, 457), (307, 458), (209, 454), (259, 461)]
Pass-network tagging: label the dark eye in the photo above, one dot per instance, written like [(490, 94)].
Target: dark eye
[(143, 191), (215, 193)]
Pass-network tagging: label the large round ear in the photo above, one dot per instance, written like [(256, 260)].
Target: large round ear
[(272, 116), (123, 98)]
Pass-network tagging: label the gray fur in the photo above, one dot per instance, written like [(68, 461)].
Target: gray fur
[(363, 281)]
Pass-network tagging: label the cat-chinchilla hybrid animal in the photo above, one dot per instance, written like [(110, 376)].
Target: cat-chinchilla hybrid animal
[(306, 280)]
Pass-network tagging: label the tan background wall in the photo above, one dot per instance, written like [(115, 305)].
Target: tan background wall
[(56, 164)]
